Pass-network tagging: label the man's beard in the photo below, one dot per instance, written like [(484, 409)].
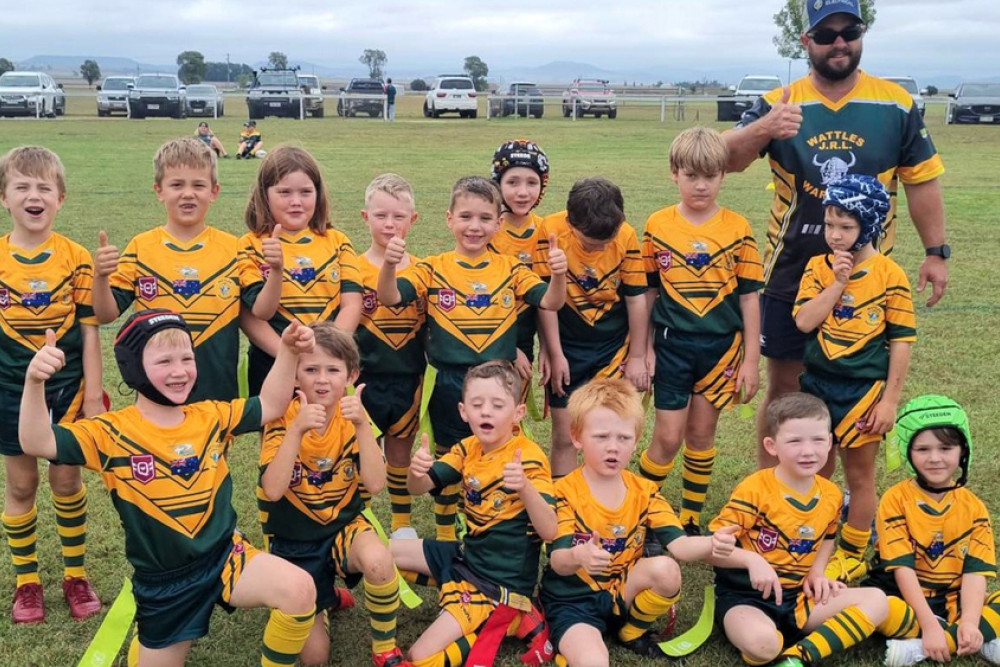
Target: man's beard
[(822, 67)]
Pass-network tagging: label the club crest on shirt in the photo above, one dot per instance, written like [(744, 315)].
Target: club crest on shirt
[(664, 260), (767, 539), (296, 474), (369, 302), (507, 299), (446, 299), (147, 287), (143, 468), (4, 299)]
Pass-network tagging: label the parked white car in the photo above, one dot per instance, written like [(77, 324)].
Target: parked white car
[(909, 84), (112, 94), (28, 94), (204, 99), (451, 93)]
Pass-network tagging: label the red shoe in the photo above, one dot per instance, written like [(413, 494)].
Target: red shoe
[(29, 604), (81, 598), (393, 658), (344, 599)]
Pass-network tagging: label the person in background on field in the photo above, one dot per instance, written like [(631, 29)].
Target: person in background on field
[(390, 99), (210, 139), (251, 141), (835, 120)]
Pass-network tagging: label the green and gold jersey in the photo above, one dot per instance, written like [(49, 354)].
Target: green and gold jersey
[(198, 279), (501, 544), (875, 129), (472, 305), (525, 245), (875, 309), (700, 271), (391, 339), (597, 282), (170, 485), (939, 539), (784, 527), (47, 287), (324, 492), (318, 268), (622, 531)]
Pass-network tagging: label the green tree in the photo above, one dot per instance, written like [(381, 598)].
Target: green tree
[(90, 71), (6, 66), (277, 60), (419, 85), (374, 60), (932, 91), (191, 67), (791, 22), (477, 69)]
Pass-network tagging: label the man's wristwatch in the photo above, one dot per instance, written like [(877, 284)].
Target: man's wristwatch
[(943, 251)]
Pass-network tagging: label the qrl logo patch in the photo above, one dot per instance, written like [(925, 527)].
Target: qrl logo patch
[(369, 302), (446, 299), (265, 271), (296, 475), (4, 299), (767, 539), (143, 468), (664, 260), (147, 287)]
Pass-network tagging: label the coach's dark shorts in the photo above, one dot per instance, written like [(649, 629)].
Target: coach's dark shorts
[(588, 360), (779, 337), (695, 363), (64, 405), (392, 401), (448, 425)]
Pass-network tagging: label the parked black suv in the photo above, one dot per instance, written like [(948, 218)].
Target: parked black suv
[(349, 105), (157, 95), (274, 92)]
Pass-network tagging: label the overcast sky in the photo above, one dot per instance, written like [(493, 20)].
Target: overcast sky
[(924, 38)]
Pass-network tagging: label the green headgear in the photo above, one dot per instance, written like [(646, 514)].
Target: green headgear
[(933, 411)]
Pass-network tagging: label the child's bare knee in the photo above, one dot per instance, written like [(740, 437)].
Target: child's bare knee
[(22, 487), (875, 604), (65, 480), (300, 592), (666, 575), (378, 568)]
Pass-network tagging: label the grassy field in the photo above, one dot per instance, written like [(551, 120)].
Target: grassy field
[(109, 169)]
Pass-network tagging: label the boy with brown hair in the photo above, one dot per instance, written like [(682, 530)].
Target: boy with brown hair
[(45, 282)]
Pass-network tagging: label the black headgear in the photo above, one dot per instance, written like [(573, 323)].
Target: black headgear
[(131, 341)]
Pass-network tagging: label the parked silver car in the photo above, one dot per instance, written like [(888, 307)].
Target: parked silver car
[(909, 84), (204, 99), (29, 94), (112, 94), (975, 103)]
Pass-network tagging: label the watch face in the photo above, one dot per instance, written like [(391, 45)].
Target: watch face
[(942, 251)]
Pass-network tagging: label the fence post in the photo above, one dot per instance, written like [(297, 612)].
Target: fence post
[(663, 109), (575, 102)]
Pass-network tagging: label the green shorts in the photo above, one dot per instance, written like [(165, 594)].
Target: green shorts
[(448, 425), (789, 617), (598, 609), (176, 606), (393, 402), (65, 406), (849, 402), (589, 360), (695, 363)]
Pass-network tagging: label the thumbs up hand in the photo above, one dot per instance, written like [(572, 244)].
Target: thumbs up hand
[(784, 119), (48, 361), (353, 409), (724, 541), (106, 257), (271, 249), (591, 556), (395, 250), (557, 257), (513, 474), (311, 417), (422, 460)]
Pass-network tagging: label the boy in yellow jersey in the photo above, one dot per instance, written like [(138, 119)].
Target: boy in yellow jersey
[(45, 283), (185, 266), (787, 518), (596, 578), (486, 580), (250, 142), (602, 332), (521, 169), (391, 342), (702, 261), (473, 297), (858, 302), (164, 462), (312, 465), (935, 544)]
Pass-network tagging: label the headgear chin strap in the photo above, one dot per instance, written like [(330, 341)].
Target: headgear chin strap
[(131, 341), (866, 199), (521, 153), (933, 411)]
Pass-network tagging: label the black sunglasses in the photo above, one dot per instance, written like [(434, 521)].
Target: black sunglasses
[(827, 36)]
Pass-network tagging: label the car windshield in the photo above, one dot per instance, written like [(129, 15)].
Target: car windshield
[(456, 84), (201, 90), (593, 87), (311, 81), (156, 82), (366, 87), (116, 84), (760, 83), (909, 85), (527, 90), (278, 79), (979, 90), (9, 80)]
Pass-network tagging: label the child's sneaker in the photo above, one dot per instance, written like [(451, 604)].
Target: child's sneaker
[(905, 652), (404, 533), (991, 652), (344, 599), (845, 568), (393, 658), (81, 598), (647, 645), (789, 661), (29, 604), (692, 529)]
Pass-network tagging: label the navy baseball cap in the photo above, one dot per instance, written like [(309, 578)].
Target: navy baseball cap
[(817, 10)]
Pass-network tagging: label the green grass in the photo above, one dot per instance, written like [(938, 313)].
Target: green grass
[(109, 170)]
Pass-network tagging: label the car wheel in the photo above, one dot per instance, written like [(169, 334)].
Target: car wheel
[(427, 110), (318, 113), (255, 113), (613, 114), (537, 114), (578, 113), (101, 114), (473, 114), (435, 113), (566, 112)]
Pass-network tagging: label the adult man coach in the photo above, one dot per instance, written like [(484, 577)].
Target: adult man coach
[(835, 120)]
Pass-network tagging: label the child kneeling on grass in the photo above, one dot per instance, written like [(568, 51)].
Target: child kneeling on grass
[(165, 466)]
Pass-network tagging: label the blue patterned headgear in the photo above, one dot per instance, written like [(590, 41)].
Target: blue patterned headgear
[(866, 199)]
